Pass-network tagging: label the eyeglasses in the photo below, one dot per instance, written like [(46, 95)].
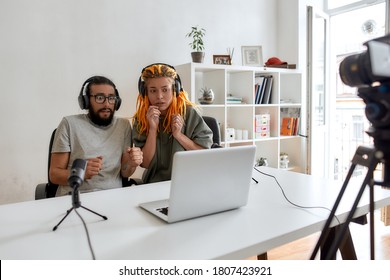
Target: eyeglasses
[(101, 98)]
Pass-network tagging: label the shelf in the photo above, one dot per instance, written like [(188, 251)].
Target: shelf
[(239, 81)]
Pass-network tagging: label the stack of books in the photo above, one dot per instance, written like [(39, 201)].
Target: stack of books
[(263, 89), (290, 118), (233, 99)]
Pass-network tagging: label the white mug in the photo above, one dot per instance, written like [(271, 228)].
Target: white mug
[(245, 135), (238, 134)]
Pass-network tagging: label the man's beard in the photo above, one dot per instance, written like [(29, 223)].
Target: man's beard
[(96, 119)]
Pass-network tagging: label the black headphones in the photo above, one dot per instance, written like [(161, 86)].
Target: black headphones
[(142, 86), (84, 97)]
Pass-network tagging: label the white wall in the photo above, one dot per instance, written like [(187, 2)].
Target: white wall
[(49, 47)]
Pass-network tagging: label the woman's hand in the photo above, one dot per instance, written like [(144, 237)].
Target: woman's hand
[(153, 117), (177, 125)]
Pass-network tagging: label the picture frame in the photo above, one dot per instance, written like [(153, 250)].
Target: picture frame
[(252, 55), (222, 59)]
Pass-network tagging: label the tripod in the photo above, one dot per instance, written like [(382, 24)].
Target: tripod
[(76, 204), (368, 157)]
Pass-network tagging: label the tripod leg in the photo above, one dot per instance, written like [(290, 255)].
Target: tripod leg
[(347, 248), (263, 256), (104, 217), (67, 213), (324, 239), (327, 242)]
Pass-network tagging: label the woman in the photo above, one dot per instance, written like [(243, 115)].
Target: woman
[(165, 122)]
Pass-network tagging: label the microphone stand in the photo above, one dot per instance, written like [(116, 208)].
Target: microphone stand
[(76, 204)]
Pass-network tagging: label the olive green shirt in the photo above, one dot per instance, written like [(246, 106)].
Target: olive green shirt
[(160, 168)]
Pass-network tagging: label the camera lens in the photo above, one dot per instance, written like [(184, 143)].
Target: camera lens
[(354, 70)]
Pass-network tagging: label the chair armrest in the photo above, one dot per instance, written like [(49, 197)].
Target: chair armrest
[(136, 181), (126, 182)]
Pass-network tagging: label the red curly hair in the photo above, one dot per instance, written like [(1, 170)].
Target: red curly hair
[(177, 107)]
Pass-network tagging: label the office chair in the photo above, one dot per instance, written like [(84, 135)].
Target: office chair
[(214, 126), (47, 190)]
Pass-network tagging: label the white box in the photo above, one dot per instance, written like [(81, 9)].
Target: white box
[(230, 134)]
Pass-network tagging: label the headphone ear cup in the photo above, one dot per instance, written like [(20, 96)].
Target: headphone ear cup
[(178, 85), (118, 103), (83, 100), (141, 87)]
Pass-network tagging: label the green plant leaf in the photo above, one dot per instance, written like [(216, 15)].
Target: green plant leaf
[(197, 35)]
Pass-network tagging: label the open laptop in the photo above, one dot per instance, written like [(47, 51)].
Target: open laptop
[(206, 182)]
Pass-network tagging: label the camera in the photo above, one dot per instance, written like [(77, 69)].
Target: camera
[(368, 67), (370, 72)]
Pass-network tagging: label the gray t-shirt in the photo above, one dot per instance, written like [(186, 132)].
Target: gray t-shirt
[(83, 139)]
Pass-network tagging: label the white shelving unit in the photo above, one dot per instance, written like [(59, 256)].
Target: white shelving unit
[(240, 81)]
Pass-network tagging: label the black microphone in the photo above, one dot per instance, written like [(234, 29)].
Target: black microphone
[(77, 173)]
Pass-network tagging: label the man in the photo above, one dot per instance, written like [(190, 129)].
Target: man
[(98, 137)]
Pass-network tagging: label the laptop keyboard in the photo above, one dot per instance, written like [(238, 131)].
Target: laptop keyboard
[(163, 210)]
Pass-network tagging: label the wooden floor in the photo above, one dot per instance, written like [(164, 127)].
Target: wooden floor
[(303, 248)]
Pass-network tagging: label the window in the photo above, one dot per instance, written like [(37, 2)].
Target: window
[(349, 30)]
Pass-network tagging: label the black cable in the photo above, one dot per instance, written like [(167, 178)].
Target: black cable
[(292, 203), (86, 230)]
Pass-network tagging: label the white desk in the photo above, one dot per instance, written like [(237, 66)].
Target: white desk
[(266, 222)]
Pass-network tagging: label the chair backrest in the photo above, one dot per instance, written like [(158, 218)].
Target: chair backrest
[(214, 126), (51, 188)]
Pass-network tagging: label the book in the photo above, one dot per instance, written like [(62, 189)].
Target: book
[(259, 90), (294, 114), (233, 99), (267, 90), (287, 127)]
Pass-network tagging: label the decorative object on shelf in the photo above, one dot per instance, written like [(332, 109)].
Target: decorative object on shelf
[(262, 162), (284, 160), (197, 44), (252, 55), (207, 96), (245, 134), (222, 59), (262, 126), (275, 62), (238, 134), (230, 134), (369, 27), (230, 52)]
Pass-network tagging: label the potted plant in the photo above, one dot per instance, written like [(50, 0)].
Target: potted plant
[(284, 160), (197, 44), (262, 162)]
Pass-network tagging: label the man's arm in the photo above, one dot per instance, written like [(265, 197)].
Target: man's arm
[(58, 171)]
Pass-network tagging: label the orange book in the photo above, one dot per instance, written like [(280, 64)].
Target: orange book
[(287, 126)]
